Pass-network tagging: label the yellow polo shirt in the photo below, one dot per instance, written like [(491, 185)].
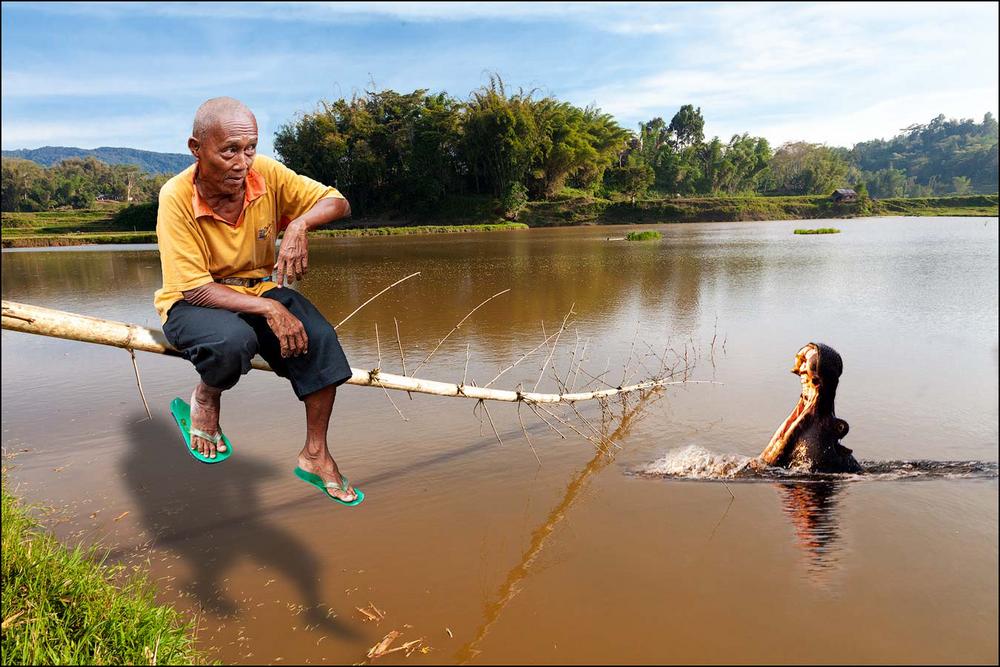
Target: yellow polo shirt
[(197, 246)]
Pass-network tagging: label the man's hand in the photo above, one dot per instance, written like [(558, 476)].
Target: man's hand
[(289, 330), (293, 258)]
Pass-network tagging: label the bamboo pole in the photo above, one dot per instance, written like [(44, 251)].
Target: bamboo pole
[(70, 326)]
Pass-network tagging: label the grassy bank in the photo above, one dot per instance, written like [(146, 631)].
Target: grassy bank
[(63, 607), (137, 224)]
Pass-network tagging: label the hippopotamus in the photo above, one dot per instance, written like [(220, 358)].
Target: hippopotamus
[(810, 438)]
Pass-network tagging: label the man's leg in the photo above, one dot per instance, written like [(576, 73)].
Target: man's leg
[(315, 457), (206, 406), (314, 377), (220, 344)]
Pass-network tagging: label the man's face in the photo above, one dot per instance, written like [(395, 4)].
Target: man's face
[(226, 153)]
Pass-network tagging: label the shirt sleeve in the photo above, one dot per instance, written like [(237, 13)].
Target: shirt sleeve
[(184, 257), (297, 194)]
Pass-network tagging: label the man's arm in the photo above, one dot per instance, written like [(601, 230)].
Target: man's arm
[(288, 329), (293, 258)]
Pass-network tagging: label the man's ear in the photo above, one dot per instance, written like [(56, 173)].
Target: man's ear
[(194, 146)]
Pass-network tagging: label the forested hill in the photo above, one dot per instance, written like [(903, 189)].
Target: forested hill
[(149, 161), (942, 153)]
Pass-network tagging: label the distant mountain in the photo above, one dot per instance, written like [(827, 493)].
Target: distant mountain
[(149, 161)]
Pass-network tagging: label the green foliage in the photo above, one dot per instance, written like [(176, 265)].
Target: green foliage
[(802, 168), (419, 229), (643, 236), (821, 230), (64, 607), (137, 217), (632, 178), (73, 183), (406, 153), (886, 183), (688, 127), (930, 157), (513, 200), (386, 150)]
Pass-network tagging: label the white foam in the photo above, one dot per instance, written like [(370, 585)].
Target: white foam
[(696, 462)]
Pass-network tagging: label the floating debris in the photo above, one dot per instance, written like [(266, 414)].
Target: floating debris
[(372, 613)]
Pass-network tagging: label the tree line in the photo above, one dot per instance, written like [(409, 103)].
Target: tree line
[(74, 183), (397, 152), (407, 152)]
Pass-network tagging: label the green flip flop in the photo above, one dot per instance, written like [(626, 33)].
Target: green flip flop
[(318, 482), (182, 415)]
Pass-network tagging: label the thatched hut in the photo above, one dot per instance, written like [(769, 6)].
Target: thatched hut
[(844, 195)]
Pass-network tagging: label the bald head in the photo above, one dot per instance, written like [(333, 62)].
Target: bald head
[(217, 112), (224, 143)]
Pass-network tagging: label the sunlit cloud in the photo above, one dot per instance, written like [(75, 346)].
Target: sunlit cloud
[(834, 73)]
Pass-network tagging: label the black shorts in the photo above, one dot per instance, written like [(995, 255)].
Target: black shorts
[(221, 343)]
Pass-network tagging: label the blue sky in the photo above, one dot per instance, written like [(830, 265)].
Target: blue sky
[(132, 74)]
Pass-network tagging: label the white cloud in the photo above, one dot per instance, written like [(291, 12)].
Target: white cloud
[(833, 73), (825, 73), (153, 132)]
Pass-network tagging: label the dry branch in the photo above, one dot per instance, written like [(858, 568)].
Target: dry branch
[(375, 297), (456, 327), (60, 324)]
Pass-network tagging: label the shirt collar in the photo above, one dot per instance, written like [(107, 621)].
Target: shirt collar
[(255, 187)]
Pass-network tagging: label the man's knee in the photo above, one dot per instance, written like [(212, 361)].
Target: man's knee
[(220, 343), (223, 359)]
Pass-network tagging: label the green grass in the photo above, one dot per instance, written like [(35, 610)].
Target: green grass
[(643, 236), (420, 229), (821, 230), (953, 206), (64, 607)]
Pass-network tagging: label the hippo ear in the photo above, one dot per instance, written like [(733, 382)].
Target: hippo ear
[(841, 427)]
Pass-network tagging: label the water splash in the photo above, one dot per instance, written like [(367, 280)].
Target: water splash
[(694, 462)]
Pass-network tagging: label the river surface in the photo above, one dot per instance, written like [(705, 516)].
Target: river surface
[(491, 556)]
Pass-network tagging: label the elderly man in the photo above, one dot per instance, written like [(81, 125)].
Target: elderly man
[(217, 225)]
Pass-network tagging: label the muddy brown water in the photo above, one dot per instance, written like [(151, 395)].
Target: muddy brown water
[(491, 558)]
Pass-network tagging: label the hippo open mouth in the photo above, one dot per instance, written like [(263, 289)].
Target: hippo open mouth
[(810, 437)]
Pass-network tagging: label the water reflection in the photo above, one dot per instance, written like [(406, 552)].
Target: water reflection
[(512, 585), (812, 508), (213, 518)]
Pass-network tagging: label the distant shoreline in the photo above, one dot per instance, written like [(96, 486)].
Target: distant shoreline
[(102, 227)]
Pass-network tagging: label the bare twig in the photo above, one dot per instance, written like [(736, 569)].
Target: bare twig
[(569, 426), (401, 415), (523, 357), (556, 343), (572, 360), (138, 381), (378, 347), (402, 359), (375, 297), (468, 352), (455, 328), (549, 424), (583, 356), (490, 417), (525, 430)]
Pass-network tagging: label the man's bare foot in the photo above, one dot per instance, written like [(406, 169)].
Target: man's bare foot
[(326, 468), (205, 408)]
